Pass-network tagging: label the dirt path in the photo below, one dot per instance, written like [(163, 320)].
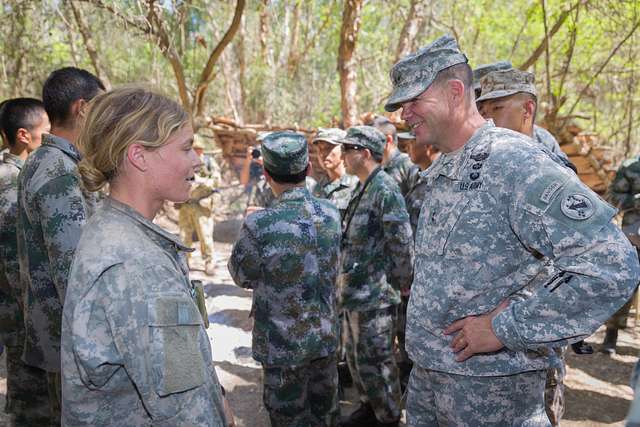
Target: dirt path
[(597, 390)]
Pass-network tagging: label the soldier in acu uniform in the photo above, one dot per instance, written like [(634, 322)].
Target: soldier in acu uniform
[(134, 347), (23, 122), (496, 207), (52, 208), (288, 255), (624, 193), (376, 267)]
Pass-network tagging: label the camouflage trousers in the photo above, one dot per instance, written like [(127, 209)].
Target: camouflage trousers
[(619, 319), (304, 395), (193, 218), (371, 361), (404, 362), (554, 390), (440, 399), (27, 392)]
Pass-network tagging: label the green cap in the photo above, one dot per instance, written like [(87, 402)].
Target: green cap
[(367, 137), (285, 152), (482, 70), (414, 73), (503, 83), (330, 135)]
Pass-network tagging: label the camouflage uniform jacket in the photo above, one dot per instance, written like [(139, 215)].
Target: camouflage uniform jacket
[(377, 248), (545, 138), (399, 168), (11, 323), (288, 254), (415, 196), (134, 348), (340, 191), (624, 188), (51, 211), (494, 212)]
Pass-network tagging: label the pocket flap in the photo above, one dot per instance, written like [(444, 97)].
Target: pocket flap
[(173, 311)]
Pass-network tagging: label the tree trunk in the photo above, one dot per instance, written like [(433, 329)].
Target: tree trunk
[(264, 31), (83, 27), (346, 62), (409, 32)]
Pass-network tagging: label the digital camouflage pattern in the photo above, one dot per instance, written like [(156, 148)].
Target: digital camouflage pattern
[(498, 84), (369, 347), (285, 152), (544, 137), (414, 73), (502, 192), (134, 347), (554, 389), (288, 255), (52, 208), (415, 196), (339, 191), (262, 196), (482, 70), (399, 168), (439, 398), (367, 137), (623, 190), (377, 249), (11, 321), (27, 394), (289, 407), (330, 135)]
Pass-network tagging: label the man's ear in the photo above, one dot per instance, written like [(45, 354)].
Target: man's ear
[(23, 137), (529, 109), (136, 155), (455, 91), (266, 174), (78, 108)]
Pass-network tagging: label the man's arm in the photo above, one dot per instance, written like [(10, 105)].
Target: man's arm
[(398, 241), (245, 262), (63, 212)]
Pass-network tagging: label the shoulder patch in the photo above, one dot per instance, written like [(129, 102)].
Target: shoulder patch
[(577, 206), (550, 191)]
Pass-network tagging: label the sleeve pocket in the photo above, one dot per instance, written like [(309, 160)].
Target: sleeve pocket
[(176, 359)]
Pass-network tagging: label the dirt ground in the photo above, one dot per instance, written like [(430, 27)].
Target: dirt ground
[(597, 389)]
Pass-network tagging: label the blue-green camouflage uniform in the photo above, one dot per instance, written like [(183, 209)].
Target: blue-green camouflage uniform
[(339, 191), (262, 196), (482, 234), (288, 255), (377, 262), (27, 395), (399, 168), (134, 347)]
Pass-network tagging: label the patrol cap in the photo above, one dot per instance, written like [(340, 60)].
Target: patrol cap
[(330, 135), (414, 73), (482, 70), (367, 137), (285, 152), (498, 84), (406, 135)]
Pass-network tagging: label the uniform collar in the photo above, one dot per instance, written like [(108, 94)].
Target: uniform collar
[(295, 193), (154, 231), (12, 159), (62, 145)]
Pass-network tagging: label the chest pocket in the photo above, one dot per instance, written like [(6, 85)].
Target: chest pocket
[(438, 217), (177, 361)]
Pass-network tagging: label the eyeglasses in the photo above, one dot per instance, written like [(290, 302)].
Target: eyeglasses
[(347, 147)]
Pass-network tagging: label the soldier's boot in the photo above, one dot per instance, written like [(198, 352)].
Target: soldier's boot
[(610, 340), (361, 417)]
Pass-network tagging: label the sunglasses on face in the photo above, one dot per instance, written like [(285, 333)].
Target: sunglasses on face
[(347, 147)]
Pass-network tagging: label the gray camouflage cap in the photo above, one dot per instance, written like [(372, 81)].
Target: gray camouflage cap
[(367, 137), (503, 83), (406, 135), (482, 70), (330, 135), (285, 152), (414, 73)]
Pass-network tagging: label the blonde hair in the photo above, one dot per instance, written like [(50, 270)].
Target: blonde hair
[(124, 116)]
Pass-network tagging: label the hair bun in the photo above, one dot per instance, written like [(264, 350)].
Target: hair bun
[(92, 178)]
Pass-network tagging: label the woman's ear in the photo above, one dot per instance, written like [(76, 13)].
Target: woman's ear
[(136, 155)]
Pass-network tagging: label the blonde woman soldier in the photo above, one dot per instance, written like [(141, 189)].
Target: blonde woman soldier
[(134, 348)]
